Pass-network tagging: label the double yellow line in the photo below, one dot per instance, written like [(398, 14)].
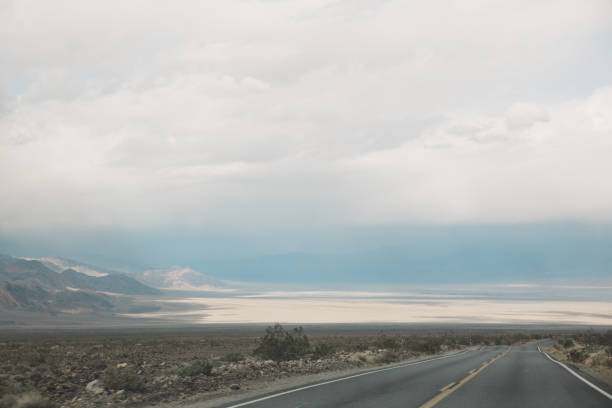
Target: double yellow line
[(452, 387)]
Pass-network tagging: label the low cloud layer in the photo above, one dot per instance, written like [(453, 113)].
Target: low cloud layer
[(244, 115)]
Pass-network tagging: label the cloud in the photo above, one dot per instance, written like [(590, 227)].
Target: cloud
[(479, 169), (293, 114), (523, 115)]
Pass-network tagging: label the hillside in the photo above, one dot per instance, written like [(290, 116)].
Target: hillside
[(29, 285)]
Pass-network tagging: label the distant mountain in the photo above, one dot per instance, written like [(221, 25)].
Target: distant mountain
[(175, 278), (116, 283), (179, 278), (30, 285), (59, 264), (35, 298)]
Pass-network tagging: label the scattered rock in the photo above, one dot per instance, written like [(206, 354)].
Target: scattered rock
[(122, 365), (235, 386), (95, 387)]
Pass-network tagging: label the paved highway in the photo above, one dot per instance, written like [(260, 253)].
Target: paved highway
[(498, 376)]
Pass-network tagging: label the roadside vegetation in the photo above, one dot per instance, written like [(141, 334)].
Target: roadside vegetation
[(589, 350), (126, 369)]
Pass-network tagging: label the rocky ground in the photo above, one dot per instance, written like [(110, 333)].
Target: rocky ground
[(159, 368)]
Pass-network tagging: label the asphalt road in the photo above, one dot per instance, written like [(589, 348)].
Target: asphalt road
[(496, 376)]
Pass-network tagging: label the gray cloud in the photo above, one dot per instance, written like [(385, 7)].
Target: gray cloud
[(289, 114)]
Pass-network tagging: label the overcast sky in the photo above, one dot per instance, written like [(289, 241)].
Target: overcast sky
[(252, 115)]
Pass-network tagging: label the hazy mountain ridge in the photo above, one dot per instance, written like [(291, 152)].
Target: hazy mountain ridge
[(174, 278), (27, 284), (180, 278), (60, 264), (111, 283)]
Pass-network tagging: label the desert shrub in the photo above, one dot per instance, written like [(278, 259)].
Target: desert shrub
[(125, 378), (280, 345), (428, 345), (387, 357), (323, 350), (566, 343), (606, 338), (195, 368), (232, 357), (385, 342), (577, 355), (8, 401)]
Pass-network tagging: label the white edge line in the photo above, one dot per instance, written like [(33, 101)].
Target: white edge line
[(584, 380), (342, 379)]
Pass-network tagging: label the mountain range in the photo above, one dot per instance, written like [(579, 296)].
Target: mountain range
[(30, 285)]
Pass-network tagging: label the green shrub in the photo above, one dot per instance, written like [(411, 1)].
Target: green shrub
[(280, 345), (125, 378), (577, 355), (387, 357), (196, 368), (323, 350), (385, 342), (428, 345), (232, 357), (567, 343), (8, 401)]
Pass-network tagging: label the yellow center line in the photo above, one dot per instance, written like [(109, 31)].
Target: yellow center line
[(449, 389)]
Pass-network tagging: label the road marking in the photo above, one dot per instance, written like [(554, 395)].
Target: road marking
[(242, 404), (447, 387), (584, 380), (446, 391)]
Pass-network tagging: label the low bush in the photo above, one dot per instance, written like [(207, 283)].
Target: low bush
[(232, 357), (195, 368), (387, 357), (281, 345), (8, 401), (386, 342), (124, 378), (323, 350), (577, 355)]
